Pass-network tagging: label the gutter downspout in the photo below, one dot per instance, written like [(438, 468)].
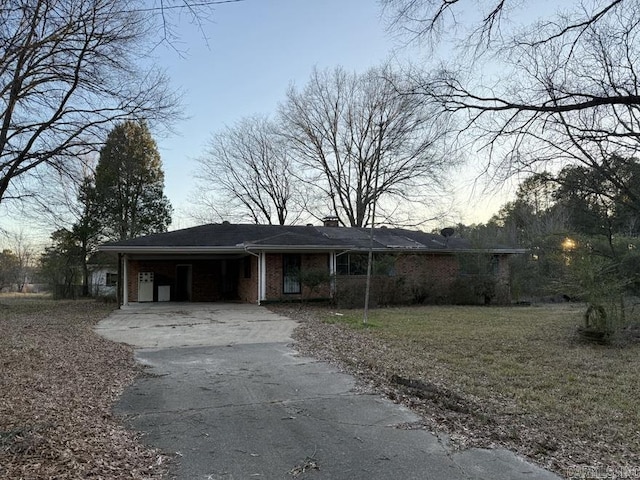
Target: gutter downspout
[(332, 274), (261, 273)]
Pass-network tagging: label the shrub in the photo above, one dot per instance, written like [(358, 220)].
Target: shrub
[(389, 290), (350, 292), (314, 278), (473, 290), (604, 283)]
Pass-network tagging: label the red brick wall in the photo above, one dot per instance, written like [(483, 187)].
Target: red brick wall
[(441, 268), (316, 262), (163, 272), (273, 264), (503, 287), (441, 272), (416, 278), (248, 287), (308, 261), (133, 268), (208, 280)]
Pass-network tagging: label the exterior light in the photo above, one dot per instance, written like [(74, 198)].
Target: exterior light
[(568, 244)]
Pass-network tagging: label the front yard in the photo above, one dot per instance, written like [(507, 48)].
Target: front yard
[(58, 383), (488, 376), (511, 376)]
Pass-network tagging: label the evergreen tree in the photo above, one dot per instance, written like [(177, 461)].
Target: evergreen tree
[(61, 264), (129, 184)]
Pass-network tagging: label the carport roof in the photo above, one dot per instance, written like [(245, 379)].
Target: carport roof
[(227, 237)]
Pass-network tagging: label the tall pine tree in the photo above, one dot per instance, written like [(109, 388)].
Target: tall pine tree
[(129, 184)]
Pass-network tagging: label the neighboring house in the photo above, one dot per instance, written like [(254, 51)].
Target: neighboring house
[(103, 274), (263, 263)]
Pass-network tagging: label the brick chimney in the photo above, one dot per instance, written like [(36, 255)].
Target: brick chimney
[(330, 221)]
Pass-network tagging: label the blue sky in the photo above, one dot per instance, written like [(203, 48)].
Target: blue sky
[(242, 62), (256, 49), (252, 52)]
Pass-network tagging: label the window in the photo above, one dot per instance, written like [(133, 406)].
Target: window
[(352, 264), (112, 279), (291, 273), (495, 265), (356, 264), (478, 264), (342, 264)]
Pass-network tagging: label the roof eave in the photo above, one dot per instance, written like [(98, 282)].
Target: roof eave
[(140, 249), (297, 248), (169, 249), (496, 251)]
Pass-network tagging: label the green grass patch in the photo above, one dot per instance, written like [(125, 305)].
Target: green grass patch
[(545, 393), (353, 320)]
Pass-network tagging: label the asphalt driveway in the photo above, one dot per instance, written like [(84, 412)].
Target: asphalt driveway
[(228, 395)]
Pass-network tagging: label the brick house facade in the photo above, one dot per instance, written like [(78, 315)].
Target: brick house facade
[(264, 263)]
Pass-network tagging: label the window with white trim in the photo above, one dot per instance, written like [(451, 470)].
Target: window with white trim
[(291, 273)]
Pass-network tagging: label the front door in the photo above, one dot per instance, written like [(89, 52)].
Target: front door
[(183, 283), (291, 273)]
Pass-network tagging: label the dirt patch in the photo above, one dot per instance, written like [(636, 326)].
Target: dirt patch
[(59, 381)]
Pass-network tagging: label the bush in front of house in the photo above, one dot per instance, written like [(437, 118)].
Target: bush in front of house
[(313, 279), (350, 291), (474, 290), (389, 290)]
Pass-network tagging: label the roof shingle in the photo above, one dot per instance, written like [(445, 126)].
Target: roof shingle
[(243, 236)]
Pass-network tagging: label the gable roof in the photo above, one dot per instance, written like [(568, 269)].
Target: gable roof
[(235, 238), (99, 259)]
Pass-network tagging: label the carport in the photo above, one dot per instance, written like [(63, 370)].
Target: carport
[(223, 262), (189, 278)]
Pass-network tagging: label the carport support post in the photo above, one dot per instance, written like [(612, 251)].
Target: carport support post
[(262, 277), (119, 284), (125, 280)]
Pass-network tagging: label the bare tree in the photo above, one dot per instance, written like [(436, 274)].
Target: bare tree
[(9, 270), (68, 70), (247, 173), (564, 89), (543, 95), (431, 21), (19, 259), (361, 142)]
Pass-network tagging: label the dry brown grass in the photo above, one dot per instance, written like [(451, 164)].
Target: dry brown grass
[(59, 381), (513, 376)]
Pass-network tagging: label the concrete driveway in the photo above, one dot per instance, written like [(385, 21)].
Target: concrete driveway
[(166, 325), (237, 402)]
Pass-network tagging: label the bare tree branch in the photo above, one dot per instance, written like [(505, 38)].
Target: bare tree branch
[(566, 89), (248, 165), (345, 129), (68, 71)]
